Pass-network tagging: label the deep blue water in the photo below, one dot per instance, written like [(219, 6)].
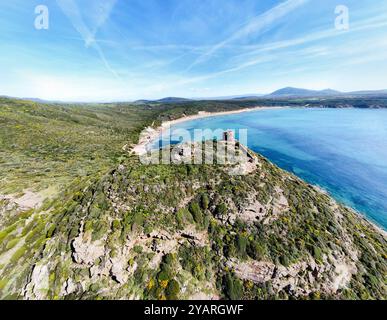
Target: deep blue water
[(343, 151)]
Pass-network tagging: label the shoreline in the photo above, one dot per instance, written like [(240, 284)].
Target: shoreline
[(362, 216), (149, 134), (205, 114)]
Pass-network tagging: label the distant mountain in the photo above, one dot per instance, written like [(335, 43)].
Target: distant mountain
[(288, 92), (291, 92), (40, 100), (248, 97), (37, 100), (233, 97), (298, 92), (173, 100), (368, 93), (163, 100), (5, 97), (142, 101)]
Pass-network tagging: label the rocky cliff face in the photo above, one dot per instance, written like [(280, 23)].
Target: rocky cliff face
[(237, 231)]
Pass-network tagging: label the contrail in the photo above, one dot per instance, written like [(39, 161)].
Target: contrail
[(256, 25), (71, 10)]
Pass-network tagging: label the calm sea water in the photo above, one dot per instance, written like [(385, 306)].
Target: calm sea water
[(343, 151)]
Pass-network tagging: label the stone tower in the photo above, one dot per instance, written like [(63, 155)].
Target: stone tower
[(228, 136)]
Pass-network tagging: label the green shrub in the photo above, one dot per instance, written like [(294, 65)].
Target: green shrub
[(138, 220), (241, 246), (3, 234), (163, 276), (233, 287), (18, 254), (7, 231), (256, 250), (116, 225), (196, 212), (3, 283), (173, 289), (51, 230), (12, 243), (36, 232), (137, 249), (284, 260), (317, 254), (100, 229), (204, 201), (88, 226), (221, 209), (180, 218)]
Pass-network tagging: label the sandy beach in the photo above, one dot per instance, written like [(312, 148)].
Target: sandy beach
[(149, 134)]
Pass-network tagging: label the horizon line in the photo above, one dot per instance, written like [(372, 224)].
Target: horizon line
[(195, 98)]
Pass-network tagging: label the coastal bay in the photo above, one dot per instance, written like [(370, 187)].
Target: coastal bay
[(342, 151)]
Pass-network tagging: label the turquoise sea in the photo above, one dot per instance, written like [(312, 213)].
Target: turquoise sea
[(344, 151)]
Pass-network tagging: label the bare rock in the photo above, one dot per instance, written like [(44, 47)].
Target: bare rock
[(69, 286), (37, 288), (119, 269), (256, 271), (85, 251)]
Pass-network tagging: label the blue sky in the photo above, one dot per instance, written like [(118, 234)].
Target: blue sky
[(109, 50)]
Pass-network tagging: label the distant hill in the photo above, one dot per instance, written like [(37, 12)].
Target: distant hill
[(298, 92), (232, 97), (173, 100), (163, 100), (142, 101), (41, 100), (291, 92), (369, 93), (251, 97), (38, 100), (281, 94)]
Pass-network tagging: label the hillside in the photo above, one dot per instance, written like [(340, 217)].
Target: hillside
[(45, 146), (192, 231), (82, 219)]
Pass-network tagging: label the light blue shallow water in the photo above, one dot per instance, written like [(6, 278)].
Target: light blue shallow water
[(342, 150)]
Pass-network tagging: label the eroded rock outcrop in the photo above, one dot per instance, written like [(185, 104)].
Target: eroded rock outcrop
[(86, 251), (38, 286)]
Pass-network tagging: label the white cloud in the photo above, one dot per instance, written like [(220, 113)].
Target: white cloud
[(375, 23), (258, 24)]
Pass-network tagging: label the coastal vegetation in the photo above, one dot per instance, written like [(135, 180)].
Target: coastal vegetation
[(95, 223)]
